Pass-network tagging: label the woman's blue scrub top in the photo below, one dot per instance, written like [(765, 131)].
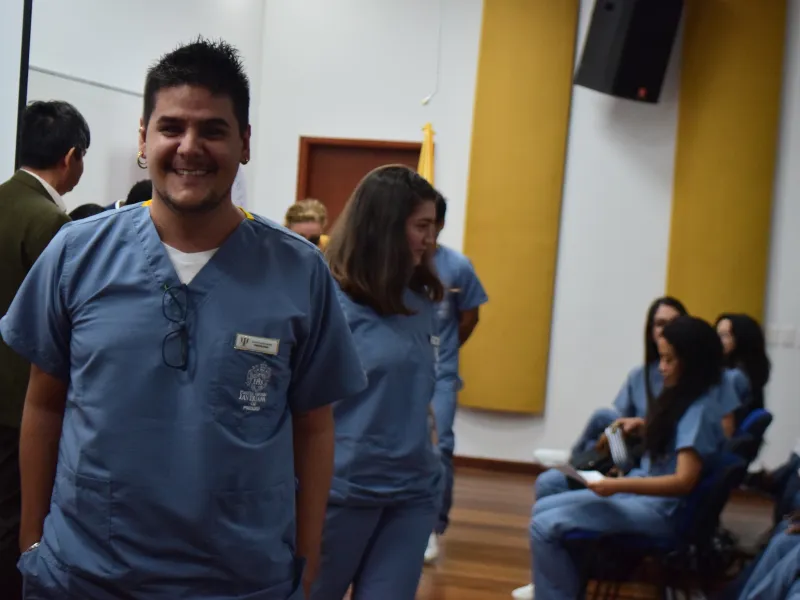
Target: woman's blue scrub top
[(384, 451)]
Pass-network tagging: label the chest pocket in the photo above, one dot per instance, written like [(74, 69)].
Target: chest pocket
[(251, 384)]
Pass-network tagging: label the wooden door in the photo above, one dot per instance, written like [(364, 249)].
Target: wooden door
[(330, 168)]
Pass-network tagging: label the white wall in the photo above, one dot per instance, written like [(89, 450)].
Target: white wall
[(10, 45), (612, 257), (107, 47), (359, 69), (783, 290)]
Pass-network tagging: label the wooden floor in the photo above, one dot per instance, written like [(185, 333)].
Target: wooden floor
[(485, 555)]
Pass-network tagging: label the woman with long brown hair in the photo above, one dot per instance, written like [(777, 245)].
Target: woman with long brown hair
[(386, 488)]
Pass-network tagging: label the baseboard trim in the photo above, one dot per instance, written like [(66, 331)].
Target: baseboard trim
[(498, 466)]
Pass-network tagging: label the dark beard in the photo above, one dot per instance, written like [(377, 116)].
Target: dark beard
[(206, 205)]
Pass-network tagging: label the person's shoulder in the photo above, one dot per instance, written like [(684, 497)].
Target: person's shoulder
[(707, 405), (736, 376), (277, 235), (638, 372), (89, 227), (21, 202), (454, 257)]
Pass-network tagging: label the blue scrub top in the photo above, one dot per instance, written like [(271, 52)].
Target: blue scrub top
[(631, 401), (384, 451), (737, 388), (699, 429), (462, 291), (179, 483)]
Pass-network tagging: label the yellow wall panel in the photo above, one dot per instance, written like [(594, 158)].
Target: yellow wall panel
[(728, 120), (519, 140)]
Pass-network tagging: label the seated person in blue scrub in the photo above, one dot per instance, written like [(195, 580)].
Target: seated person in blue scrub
[(386, 488), (775, 573), (781, 483), (177, 435), (682, 429), (747, 361), (457, 317), (643, 383)]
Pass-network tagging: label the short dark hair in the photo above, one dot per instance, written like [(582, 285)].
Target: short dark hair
[(86, 210), (368, 249), (213, 65), (441, 208), (140, 192), (49, 130)]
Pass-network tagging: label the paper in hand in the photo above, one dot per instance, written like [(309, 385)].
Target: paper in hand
[(572, 473), (582, 477)]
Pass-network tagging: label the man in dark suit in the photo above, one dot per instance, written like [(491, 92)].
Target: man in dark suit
[(54, 139)]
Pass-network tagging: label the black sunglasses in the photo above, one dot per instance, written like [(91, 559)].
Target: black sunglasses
[(175, 305)]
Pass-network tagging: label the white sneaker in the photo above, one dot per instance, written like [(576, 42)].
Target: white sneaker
[(432, 551), (551, 458), (523, 593)]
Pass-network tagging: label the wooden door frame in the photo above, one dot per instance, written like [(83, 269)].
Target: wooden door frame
[(306, 144)]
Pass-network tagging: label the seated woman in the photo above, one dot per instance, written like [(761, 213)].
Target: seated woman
[(781, 483), (643, 383), (773, 575), (746, 357), (681, 431)]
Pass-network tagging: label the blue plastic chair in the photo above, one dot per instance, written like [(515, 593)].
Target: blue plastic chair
[(749, 437), (612, 559)]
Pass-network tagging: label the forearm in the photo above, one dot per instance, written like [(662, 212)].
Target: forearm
[(729, 425), (313, 463), (464, 331), (664, 485), (38, 456), (467, 321)]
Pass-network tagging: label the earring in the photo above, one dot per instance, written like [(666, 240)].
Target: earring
[(245, 161), (141, 161)]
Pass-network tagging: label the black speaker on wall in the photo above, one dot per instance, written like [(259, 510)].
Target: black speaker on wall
[(628, 46)]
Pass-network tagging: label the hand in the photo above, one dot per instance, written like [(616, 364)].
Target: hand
[(605, 487), (630, 424), (602, 444)]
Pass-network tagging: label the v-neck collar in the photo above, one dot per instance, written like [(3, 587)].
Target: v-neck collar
[(162, 268)]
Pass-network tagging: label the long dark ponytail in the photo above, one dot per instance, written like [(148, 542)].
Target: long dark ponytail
[(699, 353)]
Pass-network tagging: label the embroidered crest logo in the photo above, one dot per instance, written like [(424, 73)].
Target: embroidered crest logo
[(255, 398)]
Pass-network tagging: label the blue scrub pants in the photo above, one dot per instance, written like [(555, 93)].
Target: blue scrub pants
[(444, 411), (600, 419), (550, 483), (555, 575), (379, 550), (776, 571), (734, 589)]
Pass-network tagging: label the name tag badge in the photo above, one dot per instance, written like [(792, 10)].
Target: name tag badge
[(259, 345)]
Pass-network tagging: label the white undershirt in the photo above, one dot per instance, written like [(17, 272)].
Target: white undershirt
[(188, 264)]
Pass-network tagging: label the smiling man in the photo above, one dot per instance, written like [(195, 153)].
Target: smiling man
[(177, 435)]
